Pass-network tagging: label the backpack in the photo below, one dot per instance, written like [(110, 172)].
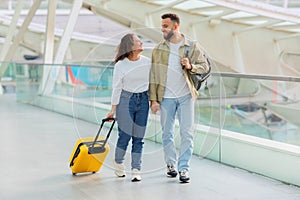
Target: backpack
[(199, 79)]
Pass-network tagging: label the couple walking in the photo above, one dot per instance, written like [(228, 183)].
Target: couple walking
[(164, 81)]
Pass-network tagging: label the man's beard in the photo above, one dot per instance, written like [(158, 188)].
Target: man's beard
[(170, 34)]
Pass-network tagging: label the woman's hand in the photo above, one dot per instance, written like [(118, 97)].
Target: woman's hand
[(111, 114)]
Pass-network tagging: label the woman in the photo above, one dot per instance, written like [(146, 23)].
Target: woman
[(130, 102)]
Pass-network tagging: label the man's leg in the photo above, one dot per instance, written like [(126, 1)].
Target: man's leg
[(168, 111), (186, 123)]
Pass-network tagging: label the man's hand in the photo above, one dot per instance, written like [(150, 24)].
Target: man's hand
[(185, 62), (155, 106)]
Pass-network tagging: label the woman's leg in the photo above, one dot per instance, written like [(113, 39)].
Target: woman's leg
[(140, 119), (124, 127)]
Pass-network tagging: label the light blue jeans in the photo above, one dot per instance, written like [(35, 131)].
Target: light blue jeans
[(184, 106), (132, 115)]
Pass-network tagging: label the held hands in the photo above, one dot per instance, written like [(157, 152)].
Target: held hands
[(155, 106), (185, 62)]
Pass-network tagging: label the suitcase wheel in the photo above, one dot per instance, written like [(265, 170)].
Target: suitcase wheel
[(94, 172), (74, 174)]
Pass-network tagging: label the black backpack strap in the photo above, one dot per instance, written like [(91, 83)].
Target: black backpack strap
[(188, 49)]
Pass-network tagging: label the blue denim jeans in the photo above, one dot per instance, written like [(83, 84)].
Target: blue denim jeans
[(132, 115), (184, 106)]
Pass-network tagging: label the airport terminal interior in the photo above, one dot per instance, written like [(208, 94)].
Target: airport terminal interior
[(56, 69)]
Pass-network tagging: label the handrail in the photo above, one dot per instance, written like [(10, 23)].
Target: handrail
[(217, 74)]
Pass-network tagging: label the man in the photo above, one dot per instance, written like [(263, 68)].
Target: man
[(171, 90)]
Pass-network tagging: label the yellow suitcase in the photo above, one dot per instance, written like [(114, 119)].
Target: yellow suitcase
[(89, 153)]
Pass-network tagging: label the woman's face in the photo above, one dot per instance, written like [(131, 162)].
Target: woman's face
[(137, 44)]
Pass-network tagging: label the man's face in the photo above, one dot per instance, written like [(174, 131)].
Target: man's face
[(167, 28)]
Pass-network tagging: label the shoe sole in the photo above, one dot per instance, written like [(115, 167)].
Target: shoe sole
[(184, 181), (135, 180), (120, 176), (172, 174)]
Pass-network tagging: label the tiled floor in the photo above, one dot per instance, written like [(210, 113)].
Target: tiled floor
[(35, 149)]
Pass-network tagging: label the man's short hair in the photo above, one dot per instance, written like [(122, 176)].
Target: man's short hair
[(174, 17)]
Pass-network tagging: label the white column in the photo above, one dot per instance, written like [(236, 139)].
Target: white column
[(239, 62), (65, 40), (49, 40), (286, 3), (20, 35), (49, 44), (62, 48), (11, 31)]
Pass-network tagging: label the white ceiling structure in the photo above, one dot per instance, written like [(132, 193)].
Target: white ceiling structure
[(256, 37)]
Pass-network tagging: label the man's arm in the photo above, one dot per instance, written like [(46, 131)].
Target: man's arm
[(197, 60), (154, 105)]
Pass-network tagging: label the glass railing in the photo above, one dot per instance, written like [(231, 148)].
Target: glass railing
[(260, 106)]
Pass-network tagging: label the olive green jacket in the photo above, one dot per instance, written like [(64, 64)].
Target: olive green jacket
[(159, 67)]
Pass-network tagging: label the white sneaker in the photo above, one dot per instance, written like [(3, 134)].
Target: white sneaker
[(135, 175), (120, 169)]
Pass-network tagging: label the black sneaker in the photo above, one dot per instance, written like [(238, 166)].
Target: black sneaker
[(184, 176), (171, 171)]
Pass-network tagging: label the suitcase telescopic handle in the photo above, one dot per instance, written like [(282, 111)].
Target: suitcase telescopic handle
[(109, 119)]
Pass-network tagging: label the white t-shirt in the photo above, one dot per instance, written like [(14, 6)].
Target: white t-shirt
[(176, 85), (132, 76)]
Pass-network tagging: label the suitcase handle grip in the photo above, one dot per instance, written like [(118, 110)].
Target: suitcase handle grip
[(108, 119)]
